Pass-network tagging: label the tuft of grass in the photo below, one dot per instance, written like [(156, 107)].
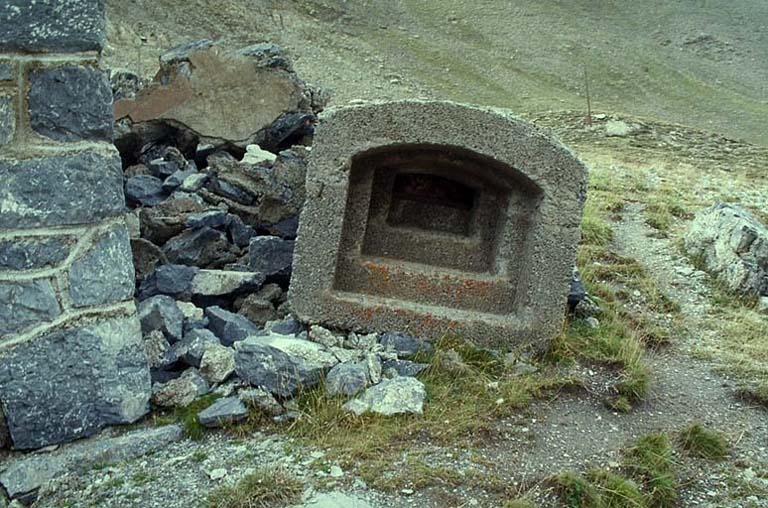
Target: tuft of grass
[(264, 488), (616, 491), (663, 209), (702, 442), (187, 416), (576, 491), (650, 461)]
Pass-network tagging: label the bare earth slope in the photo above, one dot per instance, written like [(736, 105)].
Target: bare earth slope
[(695, 62)]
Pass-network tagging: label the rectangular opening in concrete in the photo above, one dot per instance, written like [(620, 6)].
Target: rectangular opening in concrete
[(422, 221)]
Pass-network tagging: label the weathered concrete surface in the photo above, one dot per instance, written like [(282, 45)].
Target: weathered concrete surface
[(732, 244), (219, 96), (435, 217), (72, 382)]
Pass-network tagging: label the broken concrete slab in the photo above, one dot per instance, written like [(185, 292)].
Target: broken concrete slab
[(220, 96)]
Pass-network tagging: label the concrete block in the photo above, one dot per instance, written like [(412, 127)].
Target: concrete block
[(435, 218)]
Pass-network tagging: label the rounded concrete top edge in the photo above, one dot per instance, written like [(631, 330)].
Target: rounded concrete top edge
[(491, 131)]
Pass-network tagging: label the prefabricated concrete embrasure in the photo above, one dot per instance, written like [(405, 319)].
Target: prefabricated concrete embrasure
[(436, 218)]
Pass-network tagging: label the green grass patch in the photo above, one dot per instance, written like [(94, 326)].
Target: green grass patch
[(187, 416), (264, 488), (650, 461), (702, 442)]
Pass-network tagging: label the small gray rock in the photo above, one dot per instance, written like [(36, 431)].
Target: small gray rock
[(404, 367), (217, 363), (403, 344), (197, 247), (211, 219), (161, 313), (261, 400), (240, 232), (160, 354), (177, 178), (288, 326), (347, 378), (222, 412), (172, 280), (180, 392), (272, 369), (392, 396), (192, 347), (145, 190), (271, 255), (228, 326), (224, 282)]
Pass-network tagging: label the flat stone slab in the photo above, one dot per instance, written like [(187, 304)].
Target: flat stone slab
[(31, 472)]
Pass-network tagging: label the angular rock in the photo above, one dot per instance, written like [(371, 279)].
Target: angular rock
[(159, 353), (347, 378), (288, 326), (70, 103), (58, 190), (199, 247), (182, 51), (228, 326), (239, 232), (325, 337), (192, 347), (177, 178), (271, 255), (161, 313), (403, 367), (403, 344), (398, 395), (30, 472), (617, 129), (104, 274), (191, 311), (180, 392), (312, 354), (273, 370), (257, 309), (223, 412), (288, 130), (255, 155), (23, 304), (223, 282), (70, 383), (146, 257), (75, 25), (145, 190), (194, 182), (732, 244), (168, 219), (266, 54), (261, 400), (171, 280), (215, 219), (217, 363)]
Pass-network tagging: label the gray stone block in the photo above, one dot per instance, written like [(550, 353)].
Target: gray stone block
[(436, 217), (145, 190), (222, 412), (271, 255), (161, 313), (272, 369), (398, 395), (60, 190), (28, 473), (7, 119), (403, 344), (33, 252), (52, 25), (6, 71), (228, 326), (72, 382), (23, 304), (70, 103), (346, 378), (105, 273), (171, 280)]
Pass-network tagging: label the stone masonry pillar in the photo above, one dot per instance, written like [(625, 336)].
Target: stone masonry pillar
[(71, 359)]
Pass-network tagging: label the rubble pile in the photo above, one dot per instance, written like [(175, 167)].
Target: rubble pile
[(215, 196)]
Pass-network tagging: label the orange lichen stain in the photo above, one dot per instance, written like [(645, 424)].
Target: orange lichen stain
[(379, 275)]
